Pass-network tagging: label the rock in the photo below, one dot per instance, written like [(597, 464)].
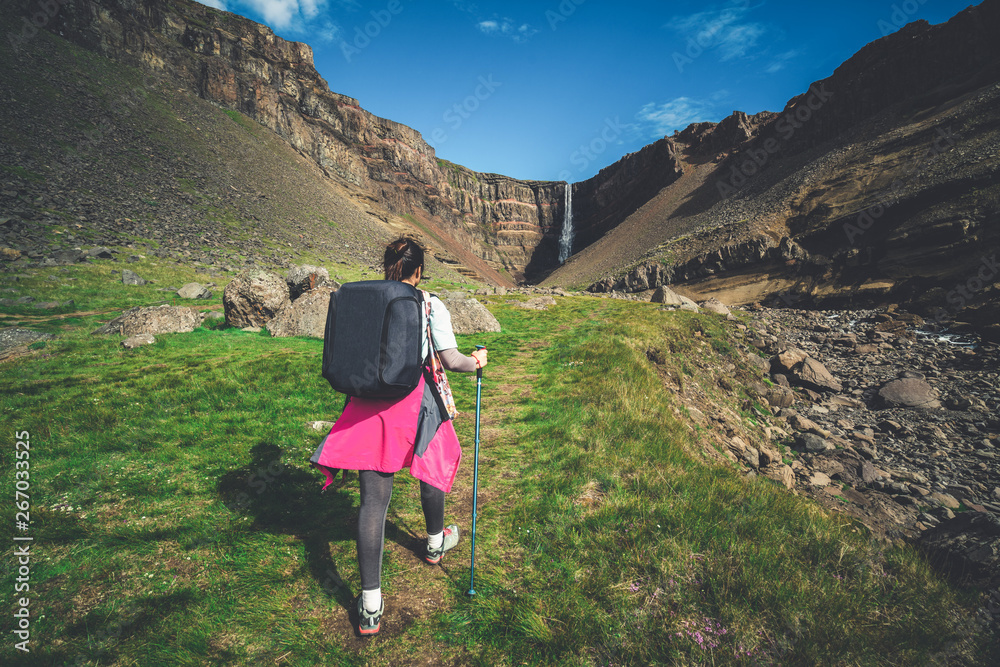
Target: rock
[(782, 474), (715, 306), (538, 303), (779, 397), (811, 442), (15, 337), (760, 363), (131, 278), (99, 253), (866, 471), (689, 305), (152, 320), (138, 340), (804, 424), (194, 291), (254, 297), (769, 455), (214, 315), (819, 479), (787, 360), (666, 296), (251, 329), (814, 375), (306, 316), (967, 547), (71, 256), (944, 500), (301, 279), (469, 316), (9, 254), (909, 393)]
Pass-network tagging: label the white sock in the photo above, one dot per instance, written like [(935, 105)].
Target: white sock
[(435, 541), (372, 600)]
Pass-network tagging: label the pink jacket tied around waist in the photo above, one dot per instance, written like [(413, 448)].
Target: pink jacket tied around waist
[(389, 434)]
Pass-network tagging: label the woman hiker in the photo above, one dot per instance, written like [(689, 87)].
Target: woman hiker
[(380, 436)]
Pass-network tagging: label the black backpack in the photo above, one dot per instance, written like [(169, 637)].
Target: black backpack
[(372, 347)]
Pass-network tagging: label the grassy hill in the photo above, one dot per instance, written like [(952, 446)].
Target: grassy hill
[(176, 520)]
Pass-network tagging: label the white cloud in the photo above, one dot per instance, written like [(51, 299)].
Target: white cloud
[(217, 4), (780, 61), (331, 32), (508, 28), (286, 14), (723, 29), (676, 114)]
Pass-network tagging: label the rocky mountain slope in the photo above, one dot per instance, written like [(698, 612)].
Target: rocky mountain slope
[(879, 183)]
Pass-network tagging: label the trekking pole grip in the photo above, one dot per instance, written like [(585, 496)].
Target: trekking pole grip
[(479, 371)]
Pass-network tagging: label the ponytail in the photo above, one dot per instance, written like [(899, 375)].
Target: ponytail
[(402, 259)]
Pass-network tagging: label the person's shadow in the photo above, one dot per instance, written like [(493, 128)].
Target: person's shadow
[(288, 501)]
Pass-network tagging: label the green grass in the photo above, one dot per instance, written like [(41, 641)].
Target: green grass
[(176, 520)]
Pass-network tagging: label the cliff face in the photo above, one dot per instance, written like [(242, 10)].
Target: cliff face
[(494, 225), (605, 200), (879, 183)]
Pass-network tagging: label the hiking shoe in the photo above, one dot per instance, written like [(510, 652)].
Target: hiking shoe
[(433, 556), (368, 624)]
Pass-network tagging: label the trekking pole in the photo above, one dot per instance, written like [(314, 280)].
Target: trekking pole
[(475, 477)]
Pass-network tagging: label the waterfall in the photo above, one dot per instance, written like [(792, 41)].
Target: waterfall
[(566, 238)]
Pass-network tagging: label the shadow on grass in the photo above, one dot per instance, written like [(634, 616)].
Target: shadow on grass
[(288, 501), (105, 631)]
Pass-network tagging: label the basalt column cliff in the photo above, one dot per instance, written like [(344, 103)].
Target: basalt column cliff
[(494, 227)]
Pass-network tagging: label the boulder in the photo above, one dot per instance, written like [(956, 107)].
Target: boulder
[(100, 253), (666, 296), (131, 278), (538, 303), (811, 442), (782, 474), (301, 279), (817, 478), (306, 316), (71, 256), (806, 425), (138, 340), (779, 397), (908, 393), (254, 297), (689, 305), (152, 320), (786, 360), (715, 306), (469, 316), (814, 375), (194, 291), (9, 254)]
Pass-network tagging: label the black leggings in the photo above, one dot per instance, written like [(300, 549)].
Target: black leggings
[(376, 491)]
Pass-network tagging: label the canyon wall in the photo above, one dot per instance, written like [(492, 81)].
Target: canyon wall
[(497, 225)]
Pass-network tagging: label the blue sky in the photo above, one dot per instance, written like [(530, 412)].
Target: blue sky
[(558, 89)]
